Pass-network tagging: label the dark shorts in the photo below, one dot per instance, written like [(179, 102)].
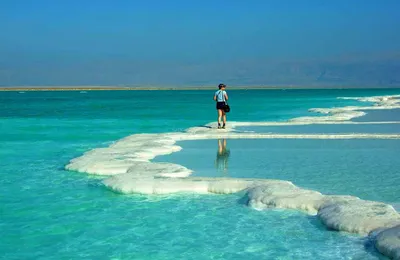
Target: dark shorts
[(220, 105)]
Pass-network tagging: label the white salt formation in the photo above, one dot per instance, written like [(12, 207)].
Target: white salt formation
[(128, 183), (283, 195), (358, 216), (129, 152), (388, 242), (128, 163), (343, 213)]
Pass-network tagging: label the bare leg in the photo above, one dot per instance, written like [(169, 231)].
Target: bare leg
[(219, 117), (224, 118)]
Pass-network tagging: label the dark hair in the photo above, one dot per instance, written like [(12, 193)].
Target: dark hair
[(221, 86)]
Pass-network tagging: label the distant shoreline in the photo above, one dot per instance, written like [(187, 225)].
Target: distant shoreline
[(100, 88)]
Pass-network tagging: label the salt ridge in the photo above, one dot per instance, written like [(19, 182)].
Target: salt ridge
[(128, 160)]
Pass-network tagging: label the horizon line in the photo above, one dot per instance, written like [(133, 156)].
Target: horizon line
[(207, 87)]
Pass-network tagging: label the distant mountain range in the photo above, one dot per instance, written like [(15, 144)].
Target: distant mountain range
[(357, 71)]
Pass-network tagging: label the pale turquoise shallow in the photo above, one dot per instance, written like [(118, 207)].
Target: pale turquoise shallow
[(50, 213), (368, 169), (327, 129)]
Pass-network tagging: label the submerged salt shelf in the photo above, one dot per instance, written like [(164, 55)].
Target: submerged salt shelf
[(379, 128)]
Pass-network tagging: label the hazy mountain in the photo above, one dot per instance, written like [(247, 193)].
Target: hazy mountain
[(355, 71)]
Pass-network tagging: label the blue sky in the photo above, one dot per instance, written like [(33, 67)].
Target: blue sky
[(70, 33)]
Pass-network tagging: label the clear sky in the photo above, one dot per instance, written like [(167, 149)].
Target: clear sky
[(60, 35)]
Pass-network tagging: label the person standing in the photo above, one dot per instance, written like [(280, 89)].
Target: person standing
[(221, 97)]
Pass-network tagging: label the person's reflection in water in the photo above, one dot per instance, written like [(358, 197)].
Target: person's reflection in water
[(221, 162)]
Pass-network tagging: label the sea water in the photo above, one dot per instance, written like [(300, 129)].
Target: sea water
[(50, 213), (386, 128), (368, 169)]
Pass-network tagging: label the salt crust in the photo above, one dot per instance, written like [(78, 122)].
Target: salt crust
[(128, 160), (387, 241)]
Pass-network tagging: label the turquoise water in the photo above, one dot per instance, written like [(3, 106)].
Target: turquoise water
[(50, 213), (365, 168), (379, 115)]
